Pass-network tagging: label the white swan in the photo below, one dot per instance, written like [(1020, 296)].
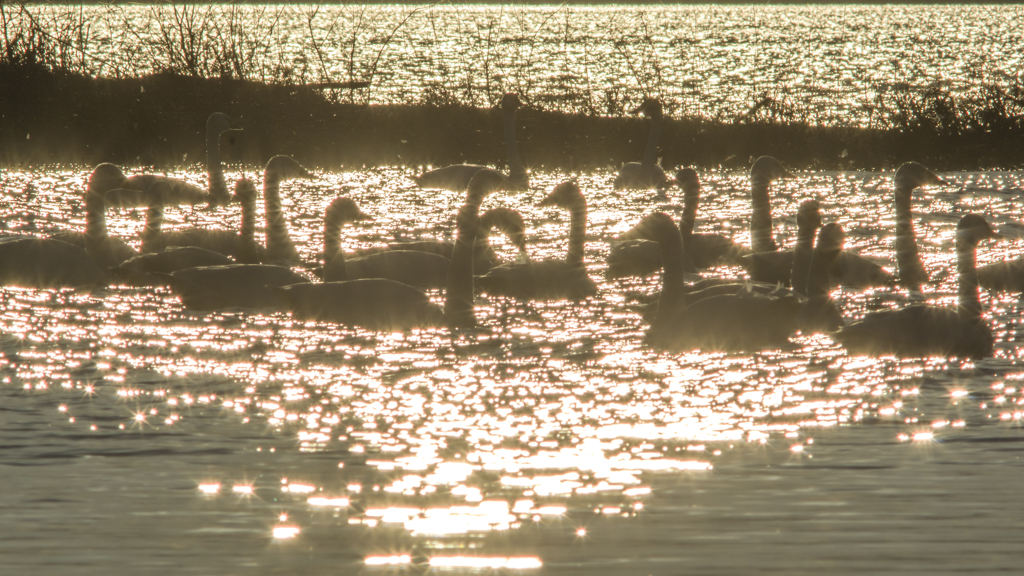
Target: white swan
[(47, 263), (178, 191), (646, 174), (929, 330), (457, 176), (723, 322), (909, 176), (549, 279), (379, 304)]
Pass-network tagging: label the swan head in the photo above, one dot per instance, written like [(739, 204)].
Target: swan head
[(565, 195), (973, 228), (106, 177), (650, 107), (809, 214), (830, 237), (285, 167), (344, 210), (217, 122), (652, 227), (913, 174), (510, 102), (245, 190), (687, 178), (766, 169)]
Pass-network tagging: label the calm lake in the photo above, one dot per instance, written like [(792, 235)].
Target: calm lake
[(138, 437)]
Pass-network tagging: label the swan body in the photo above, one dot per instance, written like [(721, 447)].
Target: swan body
[(721, 322), (47, 263), (457, 176), (145, 268), (235, 286), (380, 304), (929, 330), (177, 192), (415, 268), (551, 279), (646, 174)]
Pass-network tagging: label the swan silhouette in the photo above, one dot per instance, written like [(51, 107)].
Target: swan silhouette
[(30, 262), (135, 189), (280, 248), (380, 304), (819, 313), (457, 176), (646, 174), (549, 279), (922, 330), (415, 268), (909, 177), (722, 322), (107, 252), (239, 245)]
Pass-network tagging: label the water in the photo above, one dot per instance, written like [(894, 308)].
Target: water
[(137, 436), (832, 65)]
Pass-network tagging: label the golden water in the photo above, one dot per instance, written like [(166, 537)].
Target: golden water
[(137, 435)]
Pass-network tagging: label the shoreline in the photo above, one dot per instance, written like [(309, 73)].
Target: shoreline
[(53, 117)]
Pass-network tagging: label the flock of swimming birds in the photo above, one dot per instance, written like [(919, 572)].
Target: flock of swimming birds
[(785, 291)]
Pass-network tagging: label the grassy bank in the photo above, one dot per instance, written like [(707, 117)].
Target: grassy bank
[(49, 117)]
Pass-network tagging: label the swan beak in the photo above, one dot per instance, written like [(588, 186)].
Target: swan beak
[(363, 216), (787, 174)]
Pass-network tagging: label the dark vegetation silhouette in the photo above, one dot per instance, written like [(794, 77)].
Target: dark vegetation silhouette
[(55, 108)]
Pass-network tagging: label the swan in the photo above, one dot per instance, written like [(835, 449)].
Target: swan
[(721, 322), (47, 263), (922, 330), (819, 313), (505, 220), (233, 286), (239, 245), (909, 176), (181, 192), (151, 269), (646, 174), (380, 304), (642, 257), (279, 244), (106, 251), (457, 176), (416, 268), (549, 279)]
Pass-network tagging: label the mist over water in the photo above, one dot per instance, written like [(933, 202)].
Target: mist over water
[(831, 65), (137, 435)]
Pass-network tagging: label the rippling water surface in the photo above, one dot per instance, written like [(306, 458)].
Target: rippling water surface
[(831, 64), (138, 435)]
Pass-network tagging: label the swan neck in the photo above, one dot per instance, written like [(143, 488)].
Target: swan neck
[(970, 304), (151, 233), (97, 243), (279, 244), (458, 300), (334, 256), (577, 232), (818, 283), (218, 189), (908, 260), (673, 296), (761, 221), (247, 253), (691, 201)]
